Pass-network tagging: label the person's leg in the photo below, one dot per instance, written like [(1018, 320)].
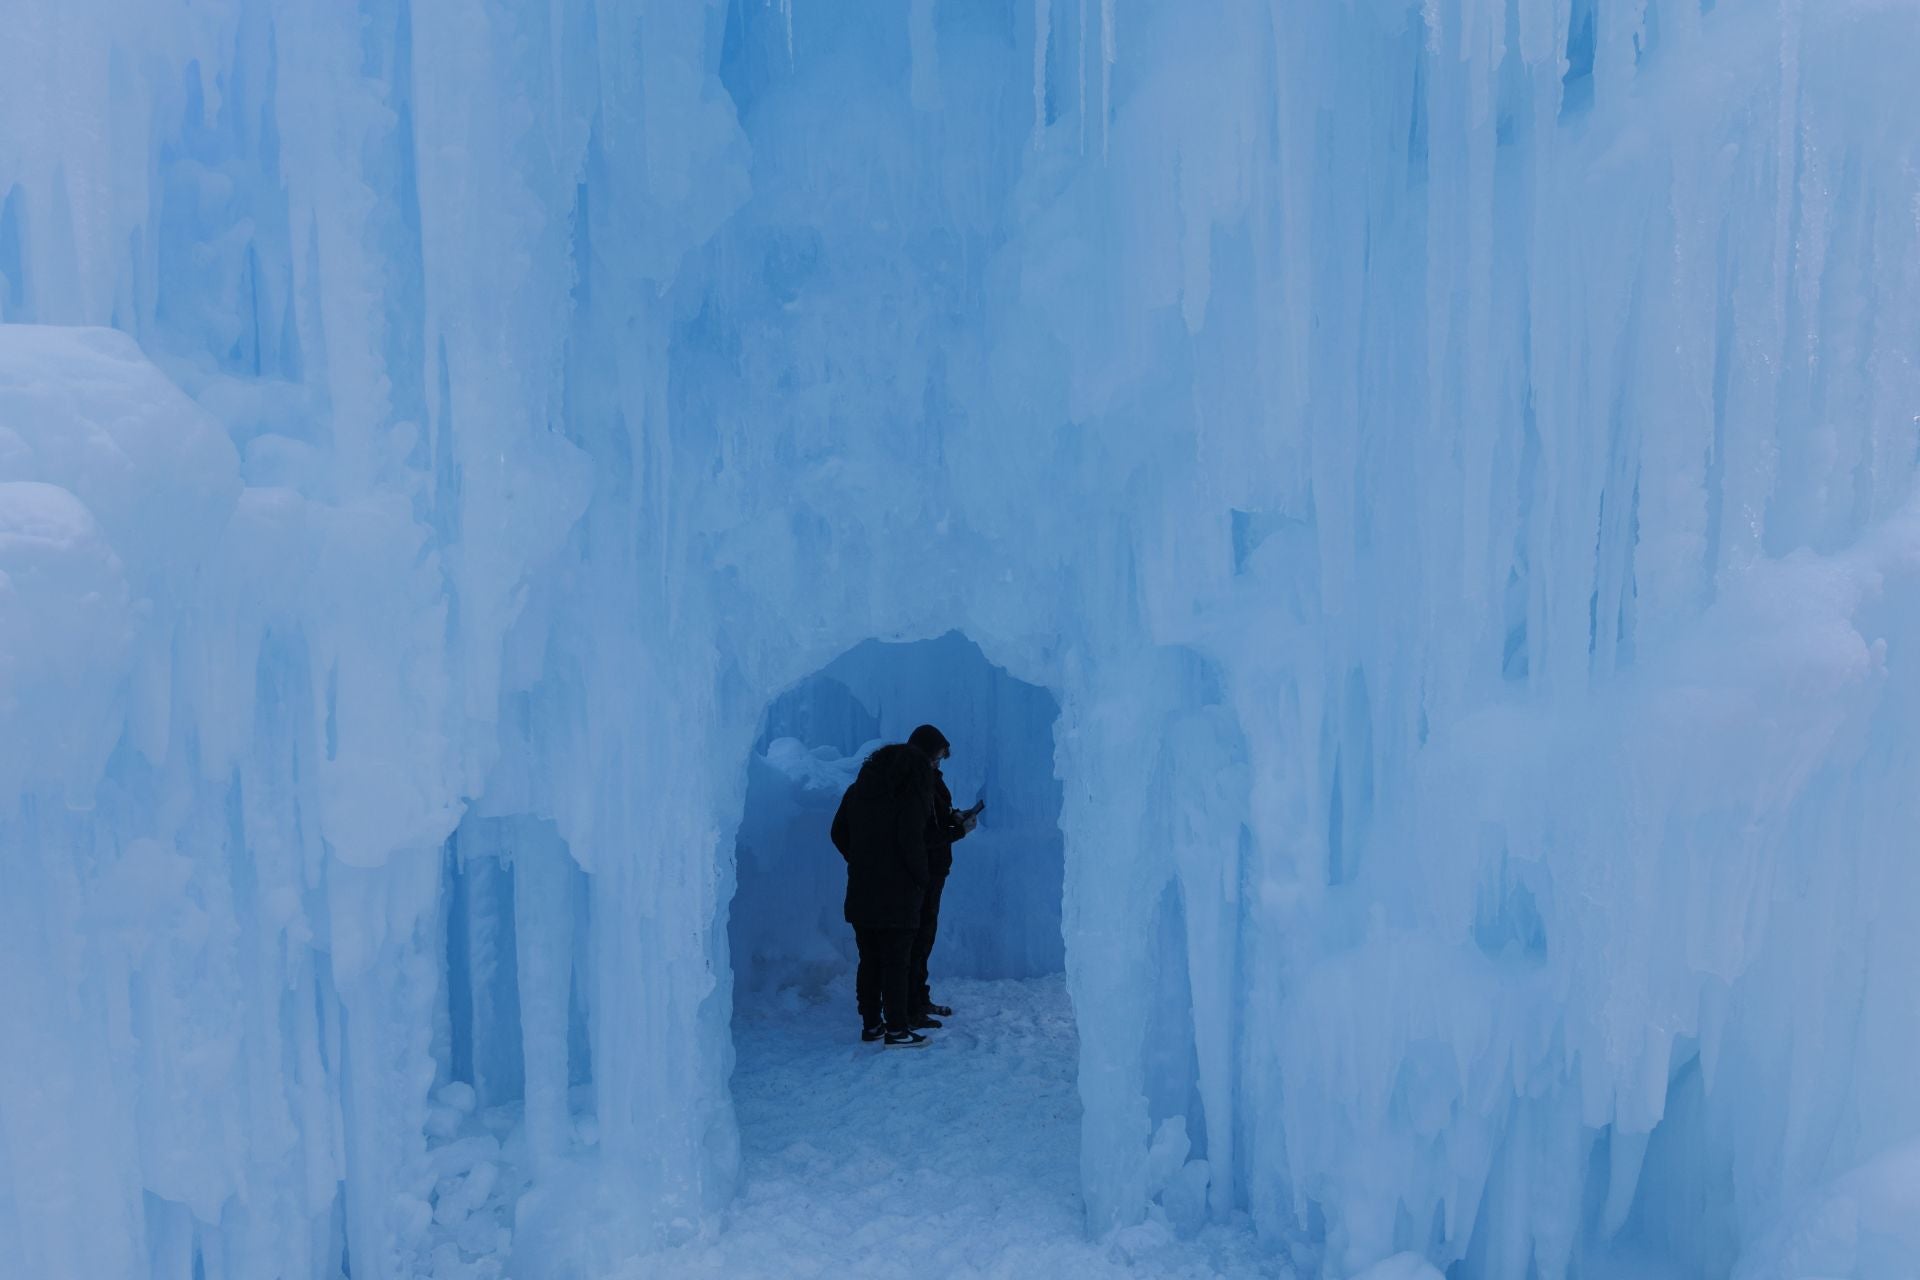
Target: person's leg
[(896, 959), (866, 978), (921, 994)]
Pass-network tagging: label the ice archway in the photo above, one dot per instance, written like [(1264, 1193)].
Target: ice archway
[(1001, 917)]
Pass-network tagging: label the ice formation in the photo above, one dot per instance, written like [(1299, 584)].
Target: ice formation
[(1450, 465)]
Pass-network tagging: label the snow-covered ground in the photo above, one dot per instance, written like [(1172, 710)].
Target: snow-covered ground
[(961, 1159)]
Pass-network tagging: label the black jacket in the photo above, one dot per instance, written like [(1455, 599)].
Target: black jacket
[(945, 828), (882, 830)]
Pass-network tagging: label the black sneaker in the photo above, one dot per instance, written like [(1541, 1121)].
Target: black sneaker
[(906, 1040), (939, 1011), (870, 1034), (924, 1023)]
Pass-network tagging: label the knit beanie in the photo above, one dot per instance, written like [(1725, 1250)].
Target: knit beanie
[(930, 740)]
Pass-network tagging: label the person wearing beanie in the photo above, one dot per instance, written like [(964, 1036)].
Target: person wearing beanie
[(947, 826), (882, 829)]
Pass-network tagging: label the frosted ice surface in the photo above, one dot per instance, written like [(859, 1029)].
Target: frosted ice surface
[(1406, 510), (1401, 1266), (1866, 1222)]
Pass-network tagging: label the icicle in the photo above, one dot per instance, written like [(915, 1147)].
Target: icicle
[(786, 16), (1106, 72), (1621, 29), (557, 68), (923, 50), (543, 935), (1042, 33), (1543, 31), (1080, 65)]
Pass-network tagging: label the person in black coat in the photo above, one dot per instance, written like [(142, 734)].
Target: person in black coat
[(947, 825), (881, 829)]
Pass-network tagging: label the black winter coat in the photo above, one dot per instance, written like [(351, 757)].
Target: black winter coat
[(881, 829)]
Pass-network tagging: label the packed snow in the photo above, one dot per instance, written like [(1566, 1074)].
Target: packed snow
[(956, 1160), (1406, 509)]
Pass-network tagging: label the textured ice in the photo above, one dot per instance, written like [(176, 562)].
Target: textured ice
[(1431, 487)]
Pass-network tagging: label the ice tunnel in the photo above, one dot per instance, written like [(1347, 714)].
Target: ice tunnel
[(1001, 910), (1406, 507)]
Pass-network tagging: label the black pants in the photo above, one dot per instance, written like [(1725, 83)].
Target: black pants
[(881, 981), (923, 944)]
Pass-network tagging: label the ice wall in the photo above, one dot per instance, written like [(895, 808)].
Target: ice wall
[(1452, 464)]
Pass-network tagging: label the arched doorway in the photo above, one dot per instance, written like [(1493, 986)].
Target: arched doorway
[(1001, 915), (972, 1143)]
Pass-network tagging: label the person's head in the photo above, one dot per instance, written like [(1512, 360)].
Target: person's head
[(930, 742)]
